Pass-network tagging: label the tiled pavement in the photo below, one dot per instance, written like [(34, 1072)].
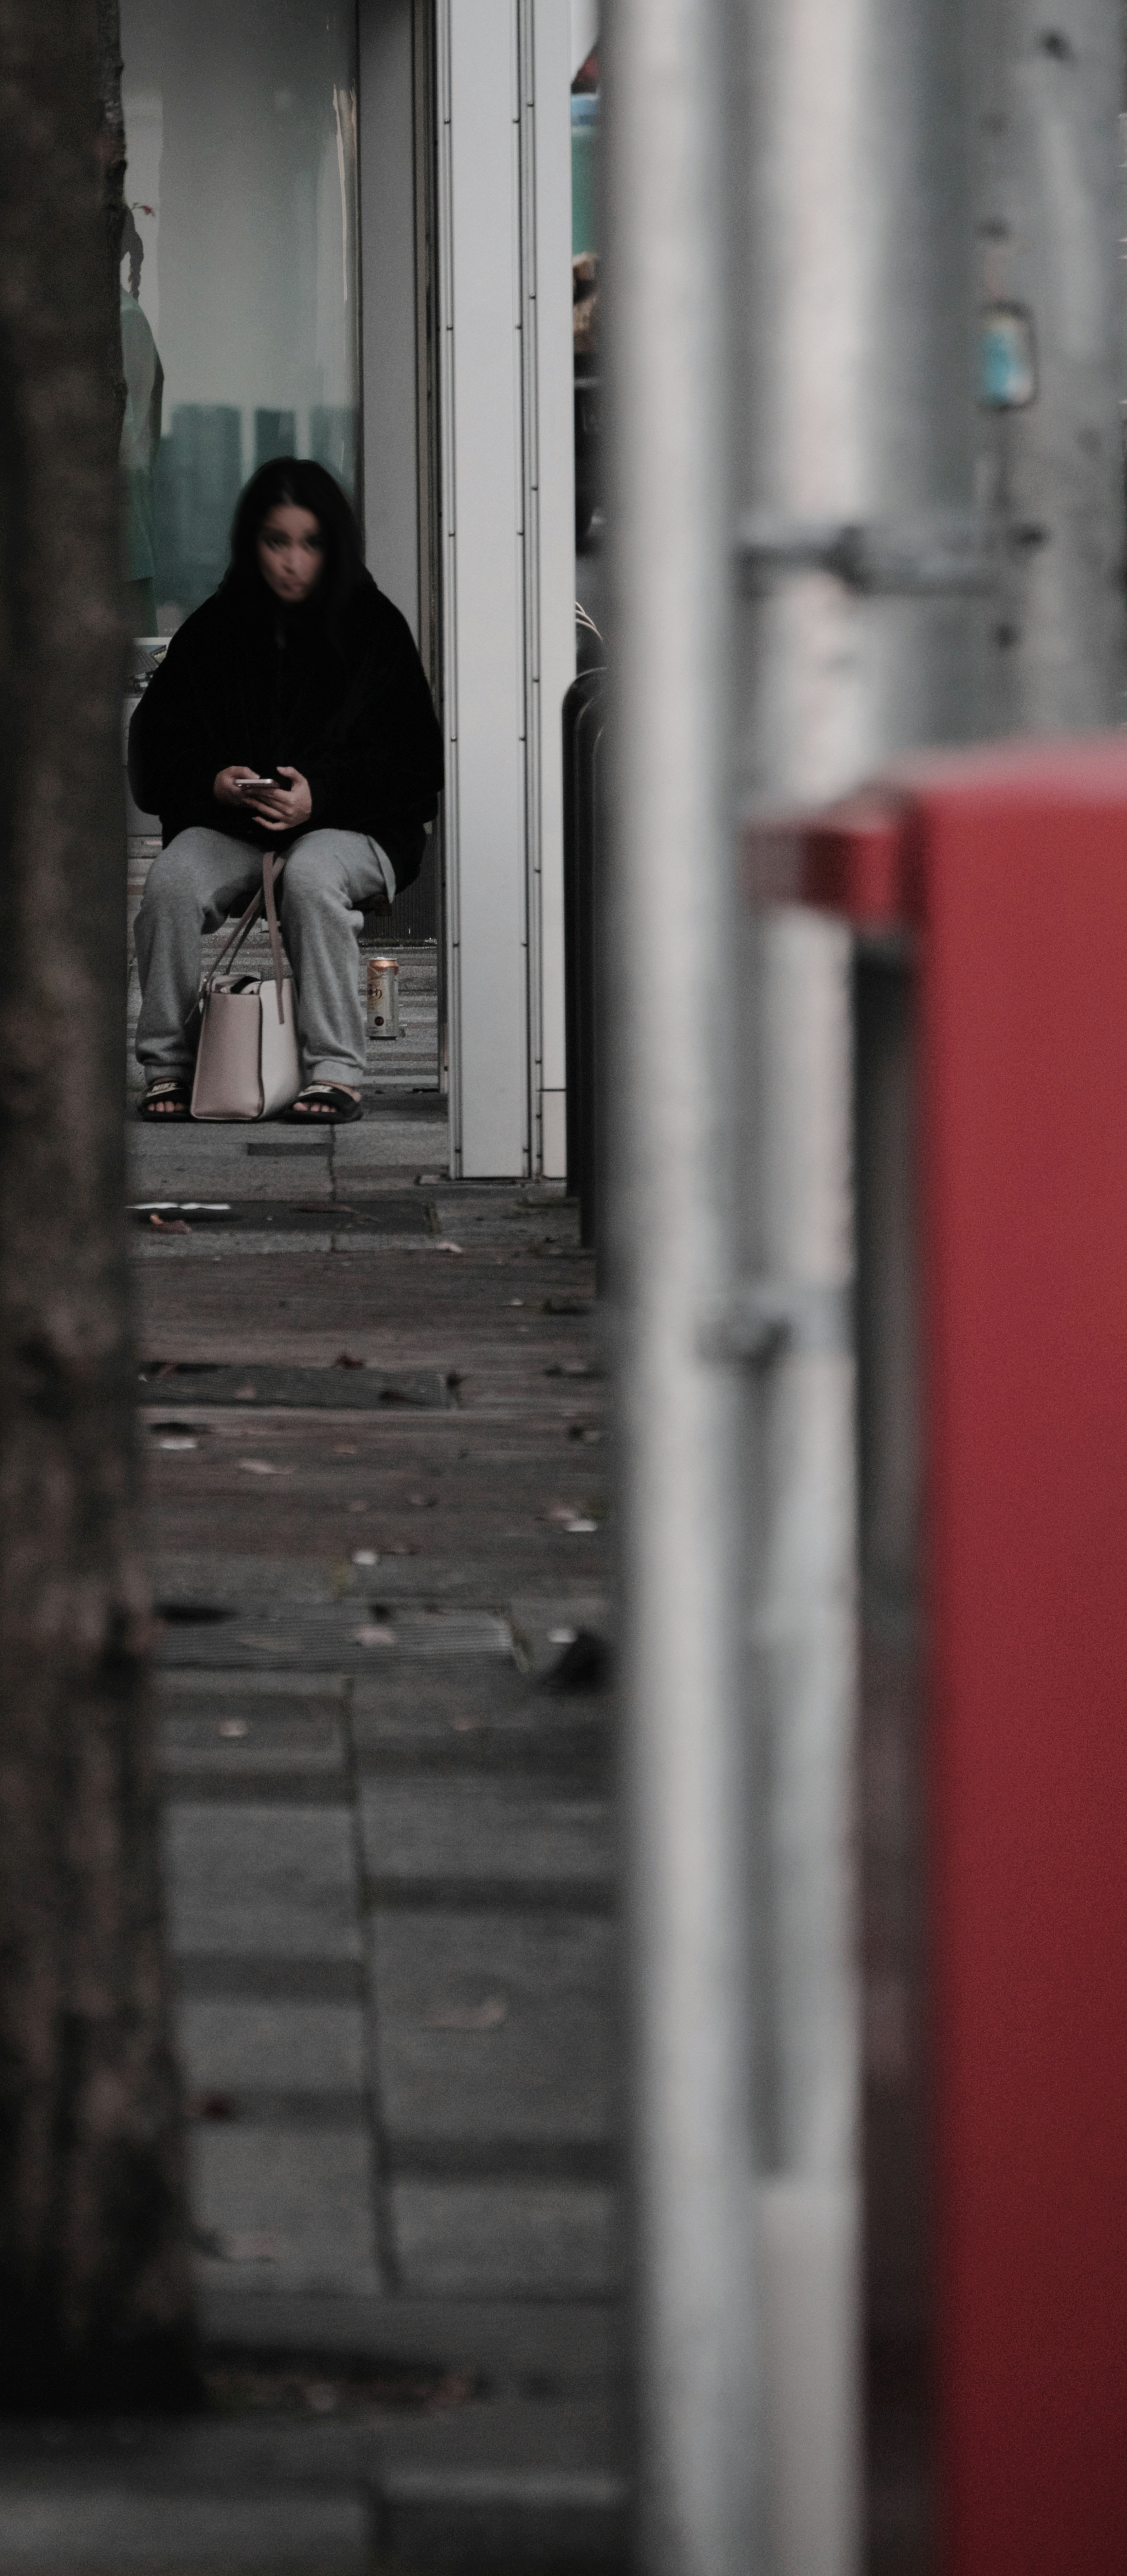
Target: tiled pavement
[(390, 1877)]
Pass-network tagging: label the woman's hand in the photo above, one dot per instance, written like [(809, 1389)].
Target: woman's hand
[(227, 788), (280, 809)]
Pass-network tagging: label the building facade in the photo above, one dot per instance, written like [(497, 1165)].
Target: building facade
[(350, 237)]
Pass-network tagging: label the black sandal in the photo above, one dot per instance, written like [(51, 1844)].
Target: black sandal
[(338, 1110), (166, 1103)]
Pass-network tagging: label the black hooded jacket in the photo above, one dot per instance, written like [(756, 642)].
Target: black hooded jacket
[(246, 681)]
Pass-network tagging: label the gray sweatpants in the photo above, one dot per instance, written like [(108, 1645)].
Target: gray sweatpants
[(204, 877)]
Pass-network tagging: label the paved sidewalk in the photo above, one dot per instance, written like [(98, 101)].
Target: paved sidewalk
[(390, 1872)]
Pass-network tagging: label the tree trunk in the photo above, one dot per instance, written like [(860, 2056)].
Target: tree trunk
[(94, 2282)]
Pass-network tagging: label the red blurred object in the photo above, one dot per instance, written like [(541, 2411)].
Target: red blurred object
[(1009, 866), (853, 859)]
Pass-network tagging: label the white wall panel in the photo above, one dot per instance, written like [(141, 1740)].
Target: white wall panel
[(483, 602), (507, 560), (584, 15), (552, 471)]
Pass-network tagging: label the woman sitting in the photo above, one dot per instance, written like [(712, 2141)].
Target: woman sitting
[(291, 710)]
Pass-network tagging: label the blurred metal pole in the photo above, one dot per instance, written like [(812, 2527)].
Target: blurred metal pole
[(668, 1209), (1050, 87), (857, 636)]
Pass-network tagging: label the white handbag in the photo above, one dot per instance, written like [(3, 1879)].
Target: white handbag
[(248, 1064)]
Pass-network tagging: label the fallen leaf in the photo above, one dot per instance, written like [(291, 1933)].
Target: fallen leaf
[(520, 1647), (455, 2388), (364, 1556), (178, 1440), (472, 2017), (373, 1635), (443, 1246), (263, 1467), (235, 2249), (233, 1726), (169, 1224)]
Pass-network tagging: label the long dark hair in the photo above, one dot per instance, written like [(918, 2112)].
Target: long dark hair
[(296, 482)]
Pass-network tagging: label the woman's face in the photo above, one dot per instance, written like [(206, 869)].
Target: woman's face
[(291, 553)]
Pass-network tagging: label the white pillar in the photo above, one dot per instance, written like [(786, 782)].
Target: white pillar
[(855, 314), (670, 1095)]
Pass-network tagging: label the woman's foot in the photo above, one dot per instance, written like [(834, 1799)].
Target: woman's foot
[(325, 1104), (166, 1098)]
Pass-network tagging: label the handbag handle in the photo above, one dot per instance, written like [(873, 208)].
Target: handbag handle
[(228, 954), (262, 899), (271, 871)]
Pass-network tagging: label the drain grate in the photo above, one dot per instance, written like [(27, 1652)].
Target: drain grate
[(289, 1153), (384, 1215), (193, 1614)]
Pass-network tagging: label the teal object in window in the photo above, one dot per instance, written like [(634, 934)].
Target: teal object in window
[(584, 161), (1007, 358)]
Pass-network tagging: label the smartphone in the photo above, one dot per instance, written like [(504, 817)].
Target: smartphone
[(245, 784)]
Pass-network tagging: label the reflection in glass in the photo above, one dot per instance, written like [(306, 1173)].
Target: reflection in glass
[(240, 123), (140, 443), (585, 100)]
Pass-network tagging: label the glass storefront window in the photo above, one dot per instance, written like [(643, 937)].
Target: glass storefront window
[(240, 274), (584, 147), (585, 279)]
